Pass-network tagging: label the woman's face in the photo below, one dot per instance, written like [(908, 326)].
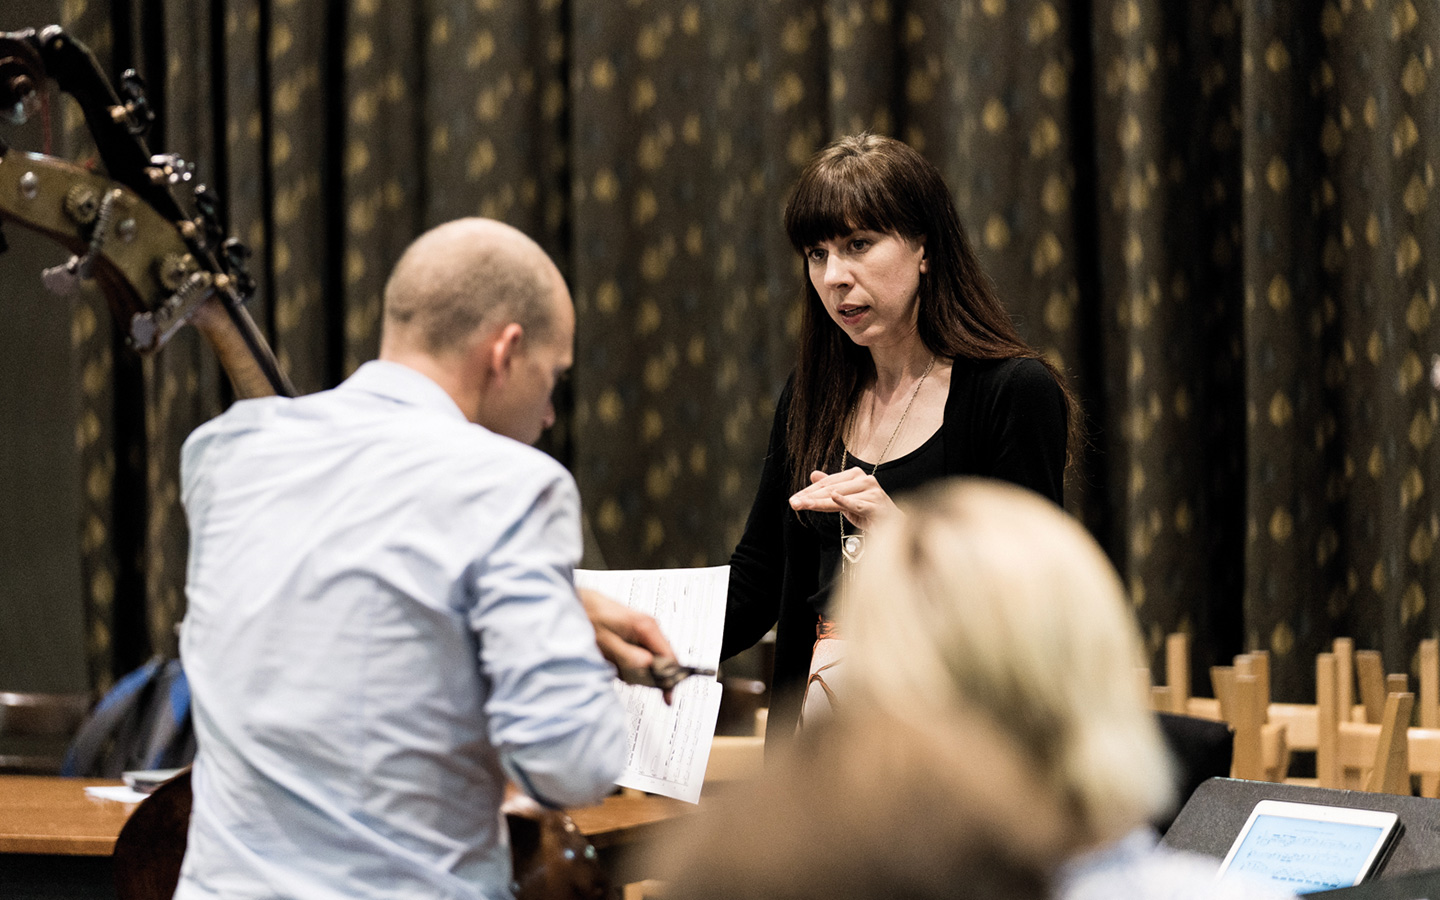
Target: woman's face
[(869, 282)]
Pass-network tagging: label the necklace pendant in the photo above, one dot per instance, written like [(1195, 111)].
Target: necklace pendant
[(852, 547)]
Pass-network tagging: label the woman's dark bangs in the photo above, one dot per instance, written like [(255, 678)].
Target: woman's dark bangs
[(834, 203)]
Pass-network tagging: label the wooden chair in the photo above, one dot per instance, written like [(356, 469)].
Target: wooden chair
[(1299, 719), (1266, 733), (35, 730), (1370, 756), (1174, 695), (1376, 756), (1262, 748)]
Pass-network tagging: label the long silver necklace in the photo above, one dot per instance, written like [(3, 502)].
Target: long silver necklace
[(852, 546)]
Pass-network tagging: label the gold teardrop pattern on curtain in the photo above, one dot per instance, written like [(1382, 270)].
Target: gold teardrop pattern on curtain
[(378, 157), (1348, 315), (680, 309), (1166, 119), (296, 46), (1243, 295), (90, 340)]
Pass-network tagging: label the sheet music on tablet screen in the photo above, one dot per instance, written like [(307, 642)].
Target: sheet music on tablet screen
[(670, 745)]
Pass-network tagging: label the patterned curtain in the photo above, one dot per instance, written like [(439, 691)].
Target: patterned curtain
[(1214, 216), (1264, 176)]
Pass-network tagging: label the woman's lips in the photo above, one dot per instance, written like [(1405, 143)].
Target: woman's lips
[(851, 314)]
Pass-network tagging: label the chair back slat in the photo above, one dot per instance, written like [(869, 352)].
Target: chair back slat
[(1429, 709), (1257, 663), (1247, 718), (1344, 650), (1222, 683), (1391, 771), (1370, 673), (1327, 720), (1177, 671), (1429, 700)]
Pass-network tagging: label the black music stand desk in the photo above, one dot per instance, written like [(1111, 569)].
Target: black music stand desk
[(1216, 812)]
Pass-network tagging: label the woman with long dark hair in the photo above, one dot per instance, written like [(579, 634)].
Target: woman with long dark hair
[(910, 369)]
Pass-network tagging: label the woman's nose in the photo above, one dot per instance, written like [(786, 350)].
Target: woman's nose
[(837, 273)]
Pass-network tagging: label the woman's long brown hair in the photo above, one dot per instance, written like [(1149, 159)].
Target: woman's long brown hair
[(873, 183)]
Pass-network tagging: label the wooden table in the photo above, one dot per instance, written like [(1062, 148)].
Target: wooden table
[(55, 817), (52, 831), (624, 823)]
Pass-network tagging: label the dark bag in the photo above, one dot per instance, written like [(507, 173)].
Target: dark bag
[(143, 722)]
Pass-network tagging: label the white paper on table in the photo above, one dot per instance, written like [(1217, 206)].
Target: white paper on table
[(119, 792), (670, 745)]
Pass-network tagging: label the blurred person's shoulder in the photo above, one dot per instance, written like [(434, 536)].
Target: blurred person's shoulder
[(1136, 867)]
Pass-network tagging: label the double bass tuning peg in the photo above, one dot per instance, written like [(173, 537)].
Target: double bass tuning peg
[(138, 114), (20, 96), (235, 257), (208, 205), (170, 168)]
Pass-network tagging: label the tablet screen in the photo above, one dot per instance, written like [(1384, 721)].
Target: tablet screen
[(1309, 848)]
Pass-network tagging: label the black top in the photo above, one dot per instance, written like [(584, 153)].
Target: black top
[(1004, 419), (924, 463)]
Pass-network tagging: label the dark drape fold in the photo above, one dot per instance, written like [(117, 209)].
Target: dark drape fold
[(1170, 361)]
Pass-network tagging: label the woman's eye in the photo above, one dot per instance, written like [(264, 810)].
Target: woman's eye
[(815, 254), (859, 244)]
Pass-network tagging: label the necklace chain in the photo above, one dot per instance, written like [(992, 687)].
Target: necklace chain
[(852, 545)]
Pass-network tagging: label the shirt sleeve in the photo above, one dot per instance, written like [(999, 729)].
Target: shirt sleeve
[(553, 712)]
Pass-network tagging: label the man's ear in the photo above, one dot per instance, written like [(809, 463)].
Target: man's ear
[(502, 350)]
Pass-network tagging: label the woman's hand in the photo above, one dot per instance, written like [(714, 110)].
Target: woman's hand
[(851, 492)]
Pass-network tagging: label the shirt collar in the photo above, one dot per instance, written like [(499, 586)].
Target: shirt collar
[(402, 384)]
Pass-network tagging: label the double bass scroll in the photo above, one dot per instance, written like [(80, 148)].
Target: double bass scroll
[(160, 266)]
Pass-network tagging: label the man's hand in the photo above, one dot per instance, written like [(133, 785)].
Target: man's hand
[(629, 639)]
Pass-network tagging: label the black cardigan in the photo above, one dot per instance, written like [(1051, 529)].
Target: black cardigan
[(1004, 419)]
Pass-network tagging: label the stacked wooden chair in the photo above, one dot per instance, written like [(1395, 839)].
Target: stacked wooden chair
[(1369, 745)]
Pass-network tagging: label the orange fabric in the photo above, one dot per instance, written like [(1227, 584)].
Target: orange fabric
[(827, 653)]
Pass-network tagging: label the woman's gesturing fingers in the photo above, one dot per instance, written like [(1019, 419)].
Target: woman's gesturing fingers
[(852, 492)]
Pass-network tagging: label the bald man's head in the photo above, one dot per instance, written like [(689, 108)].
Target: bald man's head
[(464, 275)]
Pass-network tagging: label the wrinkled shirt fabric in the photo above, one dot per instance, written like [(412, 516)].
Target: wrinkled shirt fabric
[(382, 629)]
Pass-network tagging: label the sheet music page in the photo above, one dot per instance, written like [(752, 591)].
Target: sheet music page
[(670, 745)]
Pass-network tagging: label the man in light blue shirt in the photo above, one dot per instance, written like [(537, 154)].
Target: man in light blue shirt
[(382, 627)]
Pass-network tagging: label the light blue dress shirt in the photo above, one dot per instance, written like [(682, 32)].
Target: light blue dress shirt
[(382, 628)]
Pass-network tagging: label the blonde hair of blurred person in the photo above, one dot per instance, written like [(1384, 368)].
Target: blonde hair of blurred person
[(869, 806), (984, 594)]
